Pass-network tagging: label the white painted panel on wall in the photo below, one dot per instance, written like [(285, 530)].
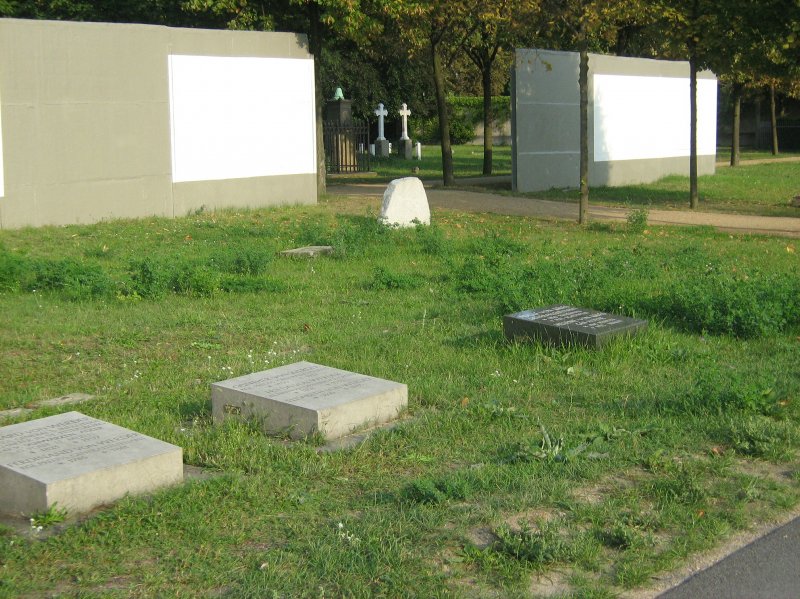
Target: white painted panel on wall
[(237, 117), (639, 117)]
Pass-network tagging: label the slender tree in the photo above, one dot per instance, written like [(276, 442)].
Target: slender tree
[(492, 31)]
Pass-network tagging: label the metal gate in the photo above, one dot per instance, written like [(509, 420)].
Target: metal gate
[(346, 147)]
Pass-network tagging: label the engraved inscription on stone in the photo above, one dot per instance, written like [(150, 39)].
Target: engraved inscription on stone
[(306, 382), (303, 398), (562, 316), (563, 324), (63, 443), (79, 462)]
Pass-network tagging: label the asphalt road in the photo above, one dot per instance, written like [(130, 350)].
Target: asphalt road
[(768, 568)]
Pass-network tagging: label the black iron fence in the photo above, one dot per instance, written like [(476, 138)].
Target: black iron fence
[(346, 147), (788, 136)]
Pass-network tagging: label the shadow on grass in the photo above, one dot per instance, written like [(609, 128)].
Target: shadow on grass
[(195, 408)]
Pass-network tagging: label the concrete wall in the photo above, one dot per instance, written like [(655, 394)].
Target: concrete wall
[(90, 122), (638, 120)]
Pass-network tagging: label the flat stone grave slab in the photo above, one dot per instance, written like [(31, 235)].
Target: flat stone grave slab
[(567, 325), (309, 251), (79, 463), (304, 398)]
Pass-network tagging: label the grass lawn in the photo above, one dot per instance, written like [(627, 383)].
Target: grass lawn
[(724, 154), (763, 189), (659, 446), (467, 162)]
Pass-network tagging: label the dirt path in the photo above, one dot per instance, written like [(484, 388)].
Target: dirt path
[(473, 201)]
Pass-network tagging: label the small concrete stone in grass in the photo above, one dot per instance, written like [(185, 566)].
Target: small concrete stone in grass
[(405, 203), (309, 251), (65, 400), (79, 463), (567, 325), (303, 398)]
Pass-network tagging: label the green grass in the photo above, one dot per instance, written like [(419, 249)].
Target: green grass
[(764, 189), (467, 162), (724, 154), (513, 461)]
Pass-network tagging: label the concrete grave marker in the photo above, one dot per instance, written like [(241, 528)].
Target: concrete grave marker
[(79, 463), (565, 325), (405, 203), (382, 145), (404, 146), (303, 398)]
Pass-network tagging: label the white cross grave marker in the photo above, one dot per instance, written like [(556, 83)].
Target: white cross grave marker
[(404, 113), (381, 112)]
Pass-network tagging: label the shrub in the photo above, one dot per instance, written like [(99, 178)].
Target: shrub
[(150, 279), (744, 306), (195, 279), (75, 280), (244, 260), (12, 270)]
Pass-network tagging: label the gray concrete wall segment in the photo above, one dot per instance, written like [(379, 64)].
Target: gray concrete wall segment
[(547, 125), (86, 126), (253, 192), (546, 122)]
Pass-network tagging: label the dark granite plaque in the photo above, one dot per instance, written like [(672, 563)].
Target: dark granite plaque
[(567, 325)]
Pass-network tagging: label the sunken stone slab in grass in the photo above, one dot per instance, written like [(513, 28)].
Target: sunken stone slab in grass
[(79, 463), (303, 398), (567, 325), (309, 251)]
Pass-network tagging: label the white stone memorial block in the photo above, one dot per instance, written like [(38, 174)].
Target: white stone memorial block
[(304, 398), (405, 203), (79, 463)]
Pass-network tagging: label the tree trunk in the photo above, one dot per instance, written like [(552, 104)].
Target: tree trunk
[(773, 120), (692, 129), (583, 86), (736, 100), (444, 122), (488, 117), (315, 45)]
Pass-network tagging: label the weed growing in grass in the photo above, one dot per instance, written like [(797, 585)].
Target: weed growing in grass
[(432, 240), (760, 437), (244, 260), (383, 279), (51, 516), (149, 279), (355, 235), (428, 490), (621, 535), (537, 548), (676, 483), (637, 220)]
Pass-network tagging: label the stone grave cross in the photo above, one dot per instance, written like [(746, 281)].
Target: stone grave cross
[(404, 113), (381, 112)]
